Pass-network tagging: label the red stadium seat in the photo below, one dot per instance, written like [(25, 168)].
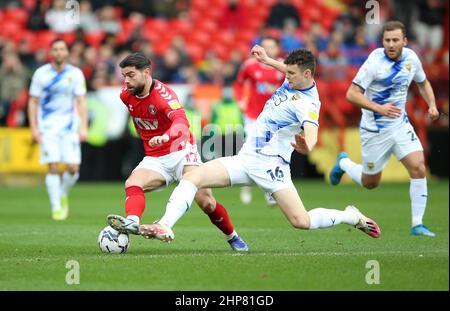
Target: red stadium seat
[(157, 24), (180, 26), (17, 110), (94, 38), (195, 52), (201, 38), (16, 15), (42, 40), (69, 37), (245, 36)]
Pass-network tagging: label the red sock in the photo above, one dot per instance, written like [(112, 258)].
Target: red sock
[(219, 217), (135, 201)]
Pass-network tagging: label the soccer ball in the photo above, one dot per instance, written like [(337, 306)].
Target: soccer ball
[(112, 241)]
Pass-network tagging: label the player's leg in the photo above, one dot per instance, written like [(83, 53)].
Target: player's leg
[(246, 191), (294, 210), (376, 149), (51, 155), (141, 180), (70, 150), (410, 152), (218, 215), (68, 180), (213, 174), (53, 184), (209, 175)]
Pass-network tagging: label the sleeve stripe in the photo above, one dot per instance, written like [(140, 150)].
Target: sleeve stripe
[(315, 123), (359, 86)]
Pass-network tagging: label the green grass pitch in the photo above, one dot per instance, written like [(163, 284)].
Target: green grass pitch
[(34, 249)]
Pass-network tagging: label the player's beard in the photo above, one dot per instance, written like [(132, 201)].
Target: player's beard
[(138, 89)]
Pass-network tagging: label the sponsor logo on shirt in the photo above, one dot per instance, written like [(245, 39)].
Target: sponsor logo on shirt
[(174, 104)]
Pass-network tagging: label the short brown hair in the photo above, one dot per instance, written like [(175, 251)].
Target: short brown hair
[(393, 25), (302, 58)]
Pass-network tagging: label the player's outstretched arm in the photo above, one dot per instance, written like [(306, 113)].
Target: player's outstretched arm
[(33, 103), (356, 96), (427, 93), (82, 111), (305, 142), (261, 56)]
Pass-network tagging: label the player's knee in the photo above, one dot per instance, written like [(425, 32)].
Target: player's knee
[(53, 169), (299, 222), (73, 169), (130, 182), (370, 184), (192, 177), (418, 170), (206, 202)]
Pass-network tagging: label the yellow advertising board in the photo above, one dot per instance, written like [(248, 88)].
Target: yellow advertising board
[(18, 154)]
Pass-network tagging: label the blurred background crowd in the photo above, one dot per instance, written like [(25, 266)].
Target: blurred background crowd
[(204, 42)]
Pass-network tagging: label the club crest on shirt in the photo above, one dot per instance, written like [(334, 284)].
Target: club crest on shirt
[(370, 165), (408, 67), (295, 97), (313, 115), (174, 104), (152, 109)]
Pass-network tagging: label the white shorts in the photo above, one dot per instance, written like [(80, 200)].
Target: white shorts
[(56, 148), (270, 173), (249, 126), (378, 147), (171, 166)]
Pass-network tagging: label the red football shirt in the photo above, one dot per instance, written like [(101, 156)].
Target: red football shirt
[(156, 114), (263, 79)]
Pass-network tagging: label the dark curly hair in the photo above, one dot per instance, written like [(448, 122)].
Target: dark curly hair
[(138, 60), (302, 58)]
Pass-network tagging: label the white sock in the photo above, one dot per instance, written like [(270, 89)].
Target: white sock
[(53, 182), (418, 194), (68, 180), (231, 235), (324, 218), (179, 203), (134, 218), (353, 169)]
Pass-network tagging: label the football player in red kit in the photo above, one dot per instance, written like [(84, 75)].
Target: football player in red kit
[(170, 149), (262, 81)]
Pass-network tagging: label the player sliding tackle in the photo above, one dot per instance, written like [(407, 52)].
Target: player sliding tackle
[(264, 158), (170, 149)]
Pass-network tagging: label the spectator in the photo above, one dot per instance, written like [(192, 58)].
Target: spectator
[(428, 27), (165, 8), (36, 19), (179, 44), (233, 16), (76, 53), (356, 54), (227, 116), (289, 40), (169, 68), (318, 37), (14, 77), (348, 22), (280, 12), (88, 19), (108, 21), (131, 6), (332, 59), (26, 56), (57, 20)]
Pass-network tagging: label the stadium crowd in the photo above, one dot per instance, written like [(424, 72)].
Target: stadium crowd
[(198, 41)]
